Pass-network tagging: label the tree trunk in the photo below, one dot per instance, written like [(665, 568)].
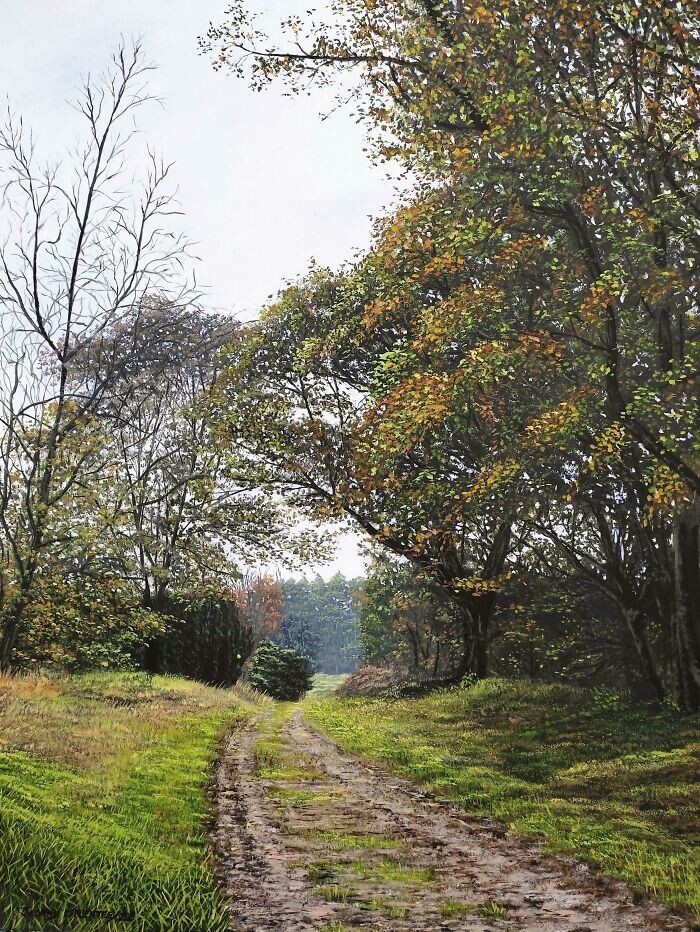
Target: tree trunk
[(10, 631), (685, 610), (476, 623), (436, 662), (637, 630), (480, 654), (152, 653)]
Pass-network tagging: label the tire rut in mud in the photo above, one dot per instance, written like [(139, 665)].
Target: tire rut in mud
[(311, 838)]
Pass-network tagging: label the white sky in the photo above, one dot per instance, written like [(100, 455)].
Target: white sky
[(265, 184)]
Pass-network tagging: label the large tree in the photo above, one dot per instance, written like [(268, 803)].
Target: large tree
[(567, 135), (83, 246), (180, 518)]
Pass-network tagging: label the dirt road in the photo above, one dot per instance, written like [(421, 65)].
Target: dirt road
[(308, 837)]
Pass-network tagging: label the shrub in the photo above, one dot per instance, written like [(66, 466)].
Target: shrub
[(205, 640), (84, 623), (279, 671)]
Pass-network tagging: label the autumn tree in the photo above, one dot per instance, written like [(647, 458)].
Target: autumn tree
[(297, 399), (83, 247), (567, 134), (259, 598)]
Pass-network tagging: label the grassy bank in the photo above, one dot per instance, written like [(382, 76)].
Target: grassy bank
[(583, 772), (103, 803), (325, 683)]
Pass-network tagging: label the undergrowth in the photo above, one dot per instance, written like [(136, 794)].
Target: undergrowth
[(584, 772), (103, 803)]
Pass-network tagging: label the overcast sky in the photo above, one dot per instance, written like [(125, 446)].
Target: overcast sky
[(265, 184)]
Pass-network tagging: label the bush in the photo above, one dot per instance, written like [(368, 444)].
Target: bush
[(279, 671), (83, 623), (205, 640)]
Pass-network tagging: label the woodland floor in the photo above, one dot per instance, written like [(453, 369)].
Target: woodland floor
[(310, 837)]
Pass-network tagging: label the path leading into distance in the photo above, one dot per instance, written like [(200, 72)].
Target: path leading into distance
[(311, 838)]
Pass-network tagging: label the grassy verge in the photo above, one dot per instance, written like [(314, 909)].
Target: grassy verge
[(325, 683), (103, 803), (582, 771)]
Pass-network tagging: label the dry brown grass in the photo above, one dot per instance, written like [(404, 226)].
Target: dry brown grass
[(85, 721)]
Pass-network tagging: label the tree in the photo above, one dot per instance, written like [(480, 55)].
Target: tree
[(339, 649), (405, 619), (259, 598), (328, 403), (300, 628), (81, 622), (81, 253), (178, 503), (568, 135), (204, 638)]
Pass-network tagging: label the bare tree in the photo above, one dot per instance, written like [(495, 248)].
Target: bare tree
[(82, 248), (181, 514)]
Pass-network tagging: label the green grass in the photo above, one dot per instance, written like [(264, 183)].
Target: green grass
[(453, 909), (272, 760), (492, 910), (294, 798), (582, 771), (325, 683), (390, 871), (103, 803), (351, 841), (334, 893), (388, 909)]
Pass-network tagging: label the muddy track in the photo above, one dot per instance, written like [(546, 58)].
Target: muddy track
[(317, 839)]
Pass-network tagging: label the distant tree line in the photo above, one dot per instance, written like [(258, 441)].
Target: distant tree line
[(320, 621)]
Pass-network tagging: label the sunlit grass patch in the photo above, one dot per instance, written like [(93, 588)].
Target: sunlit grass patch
[(323, 684), (585, 772), (85, 721), (295, 797), (334, 893), (389, 870), (453, 909), (348, 841), (492, 910), (102, 817)]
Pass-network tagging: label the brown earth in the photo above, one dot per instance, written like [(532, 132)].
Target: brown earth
[(308, 837), (372, 679)]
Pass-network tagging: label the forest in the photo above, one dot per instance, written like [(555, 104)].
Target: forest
[(499, 396)]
